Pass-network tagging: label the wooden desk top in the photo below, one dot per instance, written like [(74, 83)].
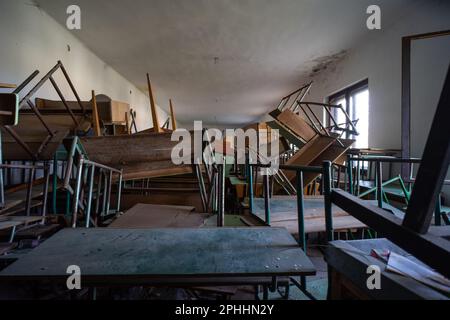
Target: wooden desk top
[(146, 216), (132, 256), (7, 85)]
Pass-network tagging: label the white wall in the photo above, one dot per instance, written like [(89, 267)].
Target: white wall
[(378, 58), (30, 39)]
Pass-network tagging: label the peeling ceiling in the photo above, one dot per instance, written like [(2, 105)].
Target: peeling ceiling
[(226, 62)]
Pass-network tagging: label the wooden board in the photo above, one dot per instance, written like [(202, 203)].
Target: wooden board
[(140, 156), (317, 224), (296, 124), (129, 149), (311, 151), (7, 85), (57, 105), (4, 225), (5, 247), (333, 153), (12, 151), (110, 111), (151, 130), (15, 200), (286, 133), (317, 150), (33, 133), (153, 169), (283, 213), (114, 111), (140, 256), (352, 258), (25, 220), (38, 230), (146, 216), (162, 198)]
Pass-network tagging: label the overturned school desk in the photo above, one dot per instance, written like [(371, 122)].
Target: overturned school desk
[(283, 213), (152, 257), (348, 264), (146, 216)]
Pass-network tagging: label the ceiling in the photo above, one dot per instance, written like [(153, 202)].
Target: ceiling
[(226, 62)]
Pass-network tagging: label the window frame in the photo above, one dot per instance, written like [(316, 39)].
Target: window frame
[(346, 93)]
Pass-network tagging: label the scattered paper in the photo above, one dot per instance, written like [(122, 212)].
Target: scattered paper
[(406, 267)]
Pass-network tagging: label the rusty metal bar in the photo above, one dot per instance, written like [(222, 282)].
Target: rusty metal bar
[(20, 141), (71, 86), (39, 84), (55, 85), (317, 119), (26, 82), (39, 115)]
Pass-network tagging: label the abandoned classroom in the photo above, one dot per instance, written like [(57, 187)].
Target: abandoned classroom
[(238, 150)]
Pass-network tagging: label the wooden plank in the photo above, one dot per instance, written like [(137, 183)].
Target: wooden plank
[(140, 156), (12, 151), (7, 85), (111, 111), (317, 224), (434, 251), (26, 220), (95, 119), (153, 169), (33, 133), (297, 125), (163, 198), (142, 208), (172, 116), (21, 208), (153, 107), (284, 132), (17, 196), (306, 155), (38, 230), (140, 256), (115, 150), (283, 213), (146, 216), (5, 247), (351, 259), (57, 105), (333, 153), (4, 225), (118, 110), (285, 207)]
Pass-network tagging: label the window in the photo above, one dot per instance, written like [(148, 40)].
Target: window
[(355, 101)]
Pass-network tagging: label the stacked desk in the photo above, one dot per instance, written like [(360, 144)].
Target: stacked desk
[(184, 256)]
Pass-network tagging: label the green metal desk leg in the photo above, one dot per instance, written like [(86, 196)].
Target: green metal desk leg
[(54, 183), (350, 174)]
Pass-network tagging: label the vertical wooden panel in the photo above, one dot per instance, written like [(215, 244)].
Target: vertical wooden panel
[(172, 116), (156, 126), (406, 104), (95, 116)]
